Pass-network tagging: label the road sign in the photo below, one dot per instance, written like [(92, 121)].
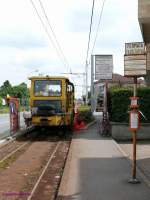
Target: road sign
[(103, 67), (135, 61), (135, 65), (135, 48), (134, 120)]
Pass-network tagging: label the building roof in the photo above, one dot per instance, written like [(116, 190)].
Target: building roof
[(117, 78), (122, 79), (47, 77)]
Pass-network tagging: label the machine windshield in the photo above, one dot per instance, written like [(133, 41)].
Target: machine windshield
[(47, 88)]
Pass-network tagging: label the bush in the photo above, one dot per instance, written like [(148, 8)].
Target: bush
[(119, 103), (1, 101), (144, 101), (85, 115)]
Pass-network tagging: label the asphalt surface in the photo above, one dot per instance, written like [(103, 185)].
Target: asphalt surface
[(97, 170), (5, 124), (143, 155)]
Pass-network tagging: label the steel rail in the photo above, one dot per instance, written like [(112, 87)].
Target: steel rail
[(43, 172)]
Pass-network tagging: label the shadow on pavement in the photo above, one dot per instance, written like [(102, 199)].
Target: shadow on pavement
[(106, 179)]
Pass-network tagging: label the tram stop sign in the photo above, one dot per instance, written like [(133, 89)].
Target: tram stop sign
[(134, 120), (135, 59)]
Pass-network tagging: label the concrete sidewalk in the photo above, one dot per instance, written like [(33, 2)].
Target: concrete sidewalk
[(97, 170)]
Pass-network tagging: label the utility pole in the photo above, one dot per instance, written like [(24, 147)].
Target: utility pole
[(92, 84), (86, 82)]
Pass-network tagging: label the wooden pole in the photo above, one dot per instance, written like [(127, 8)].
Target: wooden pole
[(134, 155)]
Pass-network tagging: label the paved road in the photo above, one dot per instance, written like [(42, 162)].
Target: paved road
[(5, 124), (97, 170)]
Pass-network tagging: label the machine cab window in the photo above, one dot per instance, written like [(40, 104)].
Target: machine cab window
[(47, 88)]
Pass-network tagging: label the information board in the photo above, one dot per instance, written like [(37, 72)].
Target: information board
[(135, 48), (135, 65), (134, 124), (135, 59), (103, 67)]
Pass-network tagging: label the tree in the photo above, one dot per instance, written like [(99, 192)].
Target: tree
[(20, 91), (5, 89)]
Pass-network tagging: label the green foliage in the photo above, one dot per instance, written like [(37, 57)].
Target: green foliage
[(5, 89), (1, 101), (119, 103), (4, 109), (84, 108), (85, 114), (144, 101), (20, 91)]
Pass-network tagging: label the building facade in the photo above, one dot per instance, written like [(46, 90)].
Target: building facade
[(144, 21)]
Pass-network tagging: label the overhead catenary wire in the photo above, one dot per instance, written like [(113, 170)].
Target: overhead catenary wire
[(47, 32), (99, 22), (54, 35)]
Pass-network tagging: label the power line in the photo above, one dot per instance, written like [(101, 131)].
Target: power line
[(83, 74), (45, 28), (54, 35), (100, 17)]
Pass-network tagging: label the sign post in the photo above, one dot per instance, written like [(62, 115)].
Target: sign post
[(134, 126), (103, 72), (134, 66), (14, 115)]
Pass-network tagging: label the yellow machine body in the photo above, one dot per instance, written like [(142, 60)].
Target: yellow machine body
[(52, 101)]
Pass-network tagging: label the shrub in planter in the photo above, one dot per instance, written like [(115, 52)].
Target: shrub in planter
[(85, 115), (144, 102), (119, 103)]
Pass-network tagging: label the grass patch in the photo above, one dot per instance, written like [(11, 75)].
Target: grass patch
[(4, 110), (84, 108), (6, 163)]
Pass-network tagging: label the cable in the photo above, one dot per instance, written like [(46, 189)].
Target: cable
[(45, 28), (100, 17), (54, 35), (91, 22)]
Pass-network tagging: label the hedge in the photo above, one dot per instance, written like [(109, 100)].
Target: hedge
[(119, 103), (85, 114)]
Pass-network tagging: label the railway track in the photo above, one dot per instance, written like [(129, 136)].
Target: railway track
[(13, 152), (32, 195), (42, 158), (47, 184), (15, 145)]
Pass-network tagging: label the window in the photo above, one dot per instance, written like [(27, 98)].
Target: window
[(47, 88)]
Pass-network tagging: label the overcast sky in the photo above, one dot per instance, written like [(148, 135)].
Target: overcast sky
[(25, 47)]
